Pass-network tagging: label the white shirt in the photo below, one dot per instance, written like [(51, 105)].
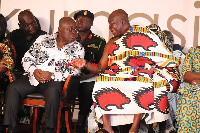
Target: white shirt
[(45, 55)]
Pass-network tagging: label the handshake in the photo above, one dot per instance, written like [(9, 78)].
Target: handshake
[(78, 63)]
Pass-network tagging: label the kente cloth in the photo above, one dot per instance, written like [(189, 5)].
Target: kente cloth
[(128, 86)]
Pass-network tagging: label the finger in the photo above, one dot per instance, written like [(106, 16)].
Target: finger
[(42, 80)]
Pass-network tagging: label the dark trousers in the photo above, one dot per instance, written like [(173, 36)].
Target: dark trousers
[(19, 88), (85, 100)]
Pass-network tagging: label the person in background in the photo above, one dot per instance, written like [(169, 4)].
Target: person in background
[(23, 38), (124, 60), (168, 39), (94, 46), (176, 49), (7, 62), (43, 75), (188, 109)]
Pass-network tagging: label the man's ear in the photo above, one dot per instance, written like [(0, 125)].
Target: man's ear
[(123, 22), (91, 23), (59, 29)]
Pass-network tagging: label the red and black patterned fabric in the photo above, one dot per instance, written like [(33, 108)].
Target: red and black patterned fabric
[(129, 86)]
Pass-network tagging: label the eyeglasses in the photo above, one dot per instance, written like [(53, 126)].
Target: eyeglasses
[(28, 25)]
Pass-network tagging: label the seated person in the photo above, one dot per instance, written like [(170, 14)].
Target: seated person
[(7, 61), (167, 37), (133, 59), (173, 97), (94, 46), (43, 75), (7, 55), (188, 110), (23, 38)]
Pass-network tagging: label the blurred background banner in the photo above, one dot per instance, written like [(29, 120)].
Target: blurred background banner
[(181, 17)]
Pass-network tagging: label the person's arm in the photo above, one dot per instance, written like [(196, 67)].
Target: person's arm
[(187, 70), (103, 64), (2, 68), (192, 77), (95, 68), (102, 44), (78, 53)]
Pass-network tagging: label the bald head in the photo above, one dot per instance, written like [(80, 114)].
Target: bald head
[(119, 13), (66, 21), (28, 23), (66, 30), (118, 22), (23, 14)]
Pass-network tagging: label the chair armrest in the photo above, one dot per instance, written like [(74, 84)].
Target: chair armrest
[(14, 74), (71, 87), (64, 92), (11, 76)]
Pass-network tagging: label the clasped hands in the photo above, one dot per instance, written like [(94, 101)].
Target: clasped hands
[(42, 76), (45, 76), (78, 63)]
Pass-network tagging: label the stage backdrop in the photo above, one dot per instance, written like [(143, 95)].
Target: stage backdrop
[(181, 17)]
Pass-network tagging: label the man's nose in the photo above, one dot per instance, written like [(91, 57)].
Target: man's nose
[(80, 21), (31, 27), (74, 31)]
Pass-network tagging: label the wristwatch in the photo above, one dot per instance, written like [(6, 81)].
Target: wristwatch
[(52, 76)]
